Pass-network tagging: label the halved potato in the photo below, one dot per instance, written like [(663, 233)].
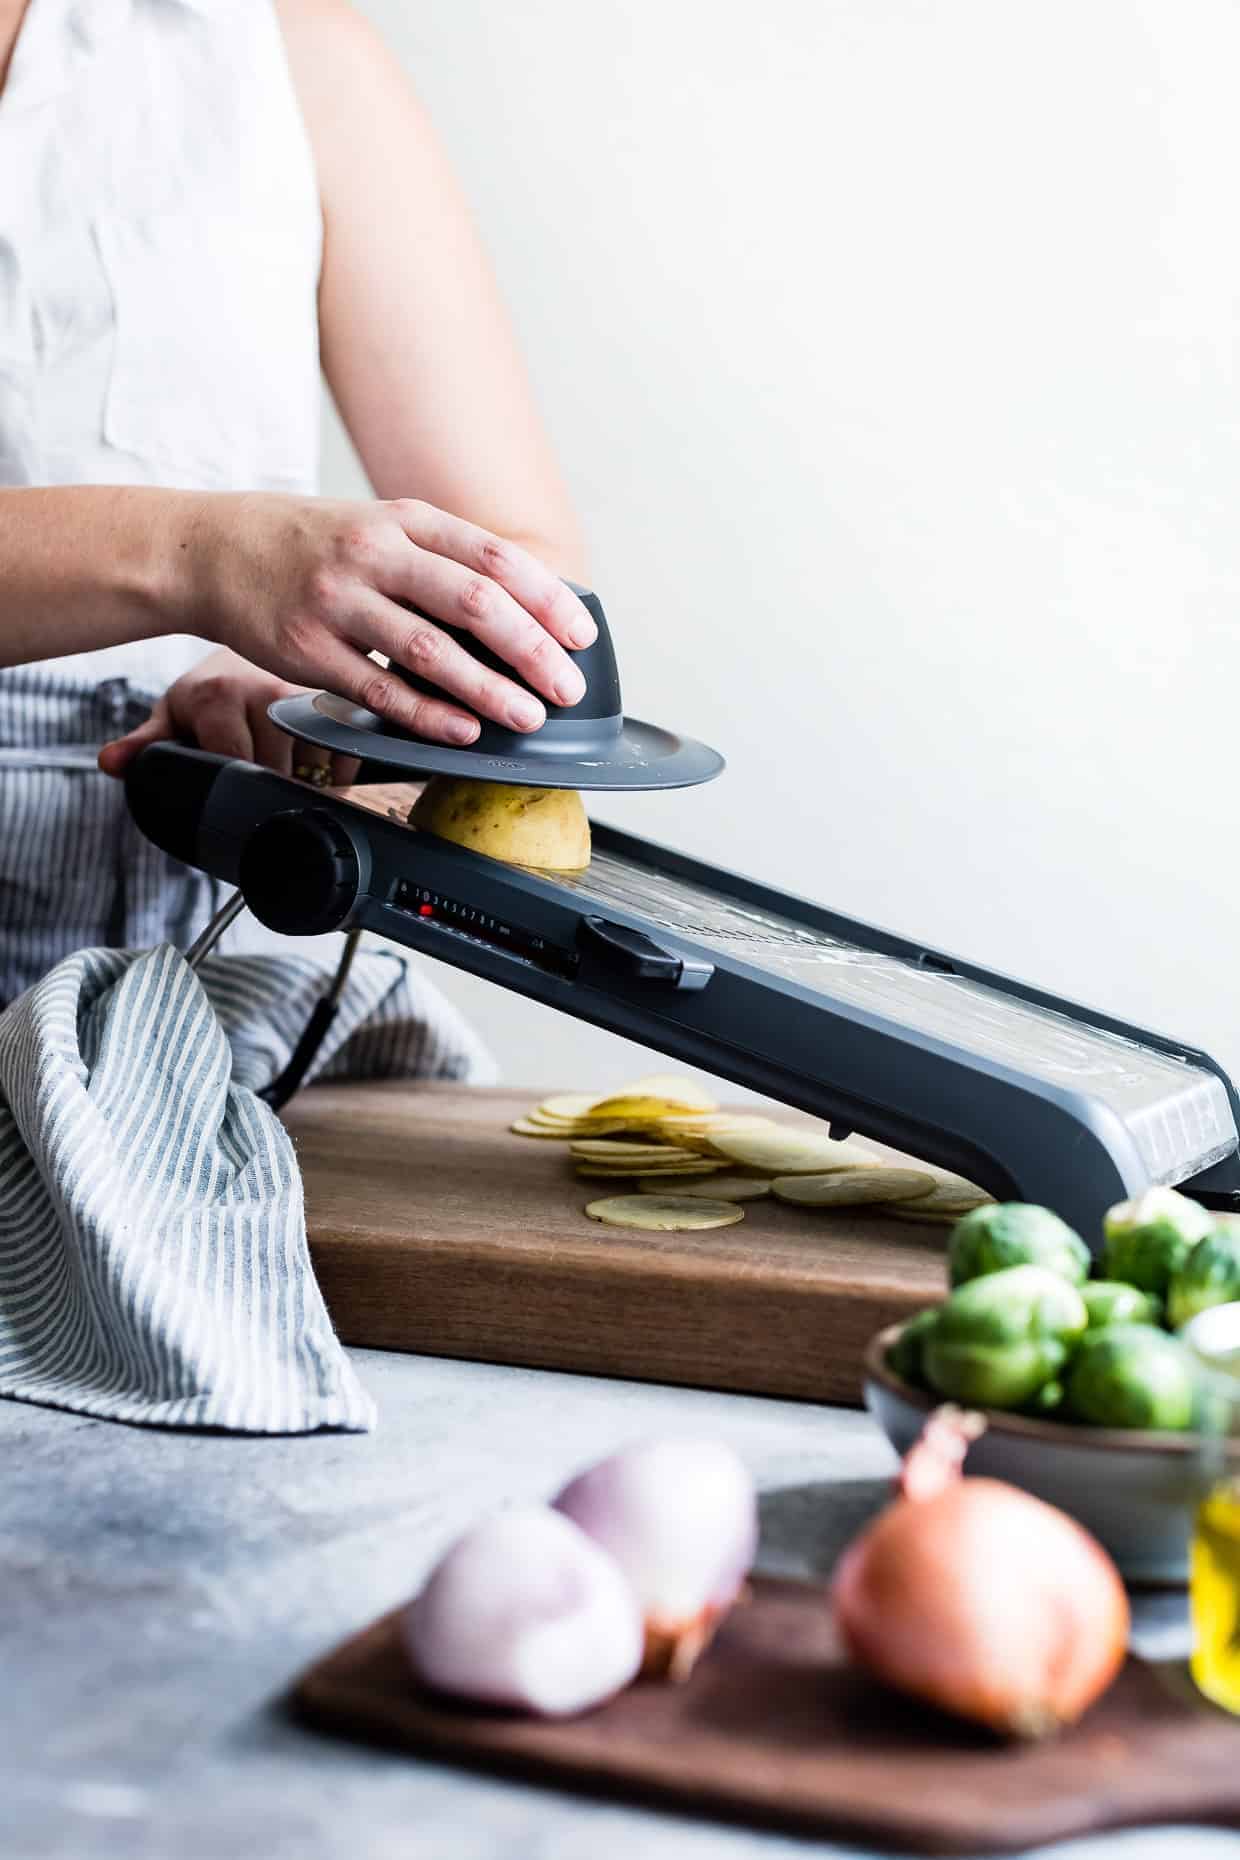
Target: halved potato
[(545, 828)]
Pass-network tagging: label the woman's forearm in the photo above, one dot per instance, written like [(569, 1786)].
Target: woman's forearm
[(310, 589), (85, 566)]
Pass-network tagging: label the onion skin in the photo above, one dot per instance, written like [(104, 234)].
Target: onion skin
[(986, 1602), (679, 1516), (525, 1611)]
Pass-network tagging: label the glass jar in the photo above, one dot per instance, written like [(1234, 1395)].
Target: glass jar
[(1214, 1564)]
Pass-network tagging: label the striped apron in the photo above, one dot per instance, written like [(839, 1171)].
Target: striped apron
[(75, 873)]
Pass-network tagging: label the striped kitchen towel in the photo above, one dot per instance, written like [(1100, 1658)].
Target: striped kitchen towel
[(153, 1257)]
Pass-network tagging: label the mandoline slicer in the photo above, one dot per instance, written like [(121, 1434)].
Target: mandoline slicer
[(1033, 1097)]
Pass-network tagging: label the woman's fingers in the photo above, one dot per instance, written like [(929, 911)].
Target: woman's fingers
[(351, 674), (220, 724), (537, 590), (345, 771), (115, 757), (426, 649), (447, 592), (288, 755), (468, 599), (273, 747), (420, 646)]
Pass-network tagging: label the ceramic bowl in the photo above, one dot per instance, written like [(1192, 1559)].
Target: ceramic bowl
[(1134, 1491)]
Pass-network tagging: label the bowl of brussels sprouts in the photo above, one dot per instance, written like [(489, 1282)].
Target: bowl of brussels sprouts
[(1092, 1401)]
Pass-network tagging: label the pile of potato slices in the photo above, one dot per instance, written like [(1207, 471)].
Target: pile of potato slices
[(694, 1165)]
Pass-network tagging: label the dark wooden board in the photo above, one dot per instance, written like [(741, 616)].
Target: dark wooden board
[(434, 1229), (774, 1728)]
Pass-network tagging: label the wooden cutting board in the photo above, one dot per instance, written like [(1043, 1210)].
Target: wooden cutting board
[(434, 1229), (774, 1728)]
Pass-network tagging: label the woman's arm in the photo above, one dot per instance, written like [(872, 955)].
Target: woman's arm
[(476, 527), (416, 344), (305, 587), (83, 566)]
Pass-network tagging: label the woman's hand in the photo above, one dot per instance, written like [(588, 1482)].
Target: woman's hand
[(220, 704), (309, 587)]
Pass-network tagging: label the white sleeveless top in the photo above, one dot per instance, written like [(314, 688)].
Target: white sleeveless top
[(160, 240)]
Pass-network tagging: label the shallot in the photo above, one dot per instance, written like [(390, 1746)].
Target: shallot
[(979, 1598), (526, 1611), (680, 1519)]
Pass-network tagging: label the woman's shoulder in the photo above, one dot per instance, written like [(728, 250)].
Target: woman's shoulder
[(327, 25), (351, 86), (340, 63)]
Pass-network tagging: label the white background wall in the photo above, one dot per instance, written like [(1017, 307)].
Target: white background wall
[(890, 346)]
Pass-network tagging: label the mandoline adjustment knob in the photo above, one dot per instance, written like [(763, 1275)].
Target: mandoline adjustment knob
[(300, 872)]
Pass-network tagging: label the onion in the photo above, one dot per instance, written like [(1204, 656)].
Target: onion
[(979, 1598), (680, 1518), (525, 1611)]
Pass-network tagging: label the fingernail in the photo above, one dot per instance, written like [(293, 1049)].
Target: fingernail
[(526, 713), (582, 633), (571, 688), (461, 730)]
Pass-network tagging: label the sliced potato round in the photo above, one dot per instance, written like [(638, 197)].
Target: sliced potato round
[(664, 1213), (844, 1188), (569, 1104), (790, 1152), (712, 1120), (567, 1133), (717, 1187), (671, 1087), (557, 1123), (701, 1139), (952, 1195), (917, 1211), (590, 1131), (620, 1149), (525, 1128), (644, 1169), (635, 1110)]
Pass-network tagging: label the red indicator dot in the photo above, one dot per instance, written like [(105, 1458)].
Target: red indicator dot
[(426, 910)]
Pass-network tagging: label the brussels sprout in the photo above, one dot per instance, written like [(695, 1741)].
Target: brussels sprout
[(1209, 1276), (1045, 1400), (1133, 1375), (1014, 1233), (906, 1353), (1147, 1240), (1110, 1301), (999, 1339)]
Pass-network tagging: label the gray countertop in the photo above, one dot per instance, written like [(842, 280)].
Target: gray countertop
[(159, 1590)]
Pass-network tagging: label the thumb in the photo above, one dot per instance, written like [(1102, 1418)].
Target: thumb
[(114, 758)]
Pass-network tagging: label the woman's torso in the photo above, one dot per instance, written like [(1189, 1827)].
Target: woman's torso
[(159, 256), (160, 239)]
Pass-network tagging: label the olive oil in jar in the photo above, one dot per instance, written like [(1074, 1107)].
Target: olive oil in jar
[(1214, 1594)]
